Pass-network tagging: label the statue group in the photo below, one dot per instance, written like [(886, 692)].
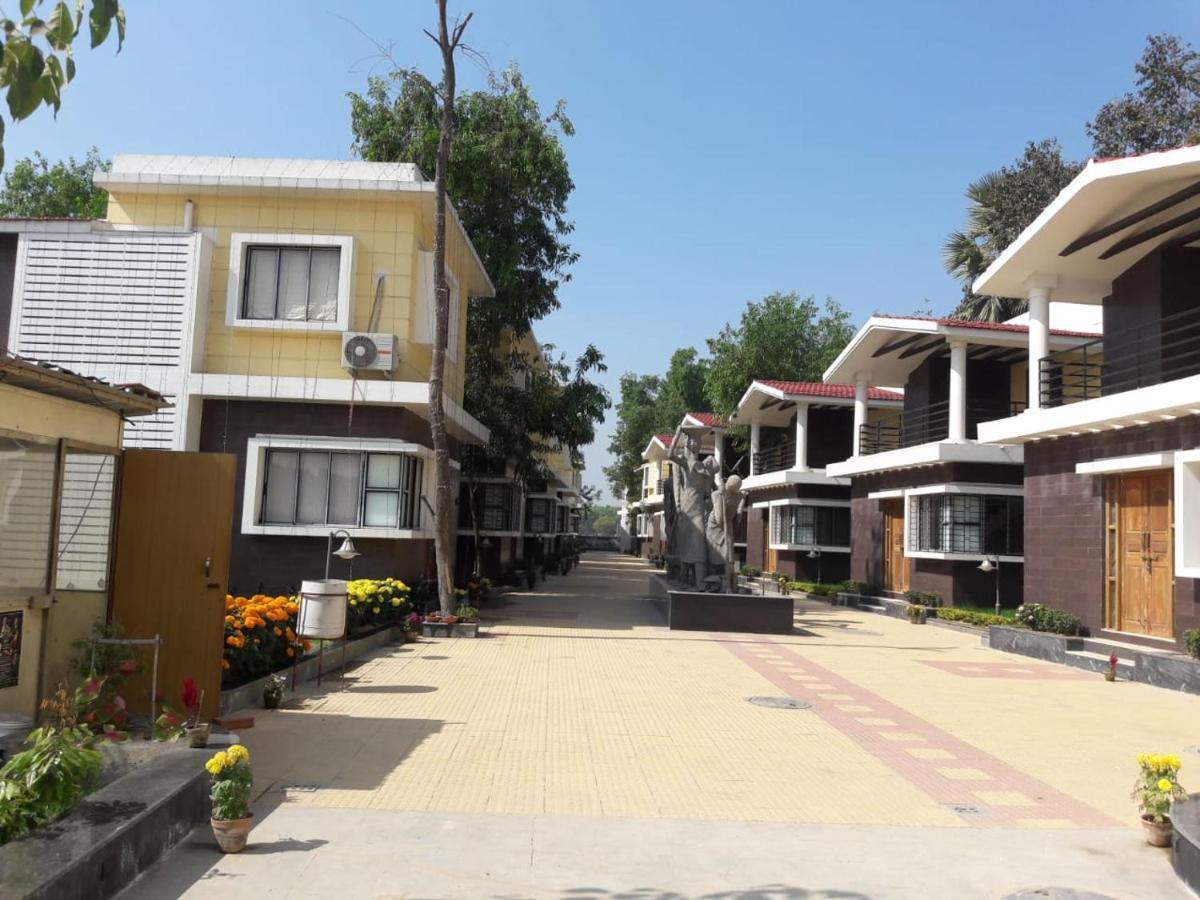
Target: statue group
[(701, 513)]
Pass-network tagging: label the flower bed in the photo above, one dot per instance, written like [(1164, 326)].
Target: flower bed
[(376, 604)]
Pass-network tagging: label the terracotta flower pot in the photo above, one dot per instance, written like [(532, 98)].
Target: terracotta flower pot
[(1158, 834), (1110, 676), (231, 834), (410, 636), (198, 735), (272, 699)]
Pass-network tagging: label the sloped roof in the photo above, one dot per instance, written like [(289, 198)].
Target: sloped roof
[(711, 420), (820, 389)]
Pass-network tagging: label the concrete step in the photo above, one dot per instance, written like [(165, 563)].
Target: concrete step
[(1121, 648), (1097, 662)]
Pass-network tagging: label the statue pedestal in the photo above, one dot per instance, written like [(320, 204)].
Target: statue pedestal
[(691, 610)]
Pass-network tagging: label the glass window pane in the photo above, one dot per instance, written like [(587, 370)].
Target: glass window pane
[(260, 283), (293, 285), (26, 500), (381, 509), (323, 285), (344, 490), (314, 486), (383, 470), (85, 521), (279, 505)]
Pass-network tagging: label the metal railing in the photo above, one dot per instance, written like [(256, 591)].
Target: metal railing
[(1157, 352), (656, 489), (922, 426), (774, 460)]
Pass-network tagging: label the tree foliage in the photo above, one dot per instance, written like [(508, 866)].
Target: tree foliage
[(38, 59), (510, 183), (783, 336), (37, 188), (1001, 204), (1164, 111), (637, 421)]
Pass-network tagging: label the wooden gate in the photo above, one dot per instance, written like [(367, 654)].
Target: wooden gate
[(172, 567), (1141, 545), (895, 563)]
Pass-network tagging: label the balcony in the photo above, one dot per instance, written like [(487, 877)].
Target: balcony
[(775, 459), (655, 489), (1162, 351), (926, 425)]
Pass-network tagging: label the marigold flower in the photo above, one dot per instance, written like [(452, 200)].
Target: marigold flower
[(237, 753), (1164, 784), (291, 652)]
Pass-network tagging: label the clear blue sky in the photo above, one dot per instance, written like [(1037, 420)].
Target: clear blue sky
[(724, 150)]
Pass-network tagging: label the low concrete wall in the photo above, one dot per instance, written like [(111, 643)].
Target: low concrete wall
[(1185, 849), (747, 613), (249, 695), (1038, 644), (117, 832)]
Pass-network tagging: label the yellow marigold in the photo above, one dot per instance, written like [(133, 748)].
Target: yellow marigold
[(1164, 784), (237, 753), (395, 601), (217, 762)]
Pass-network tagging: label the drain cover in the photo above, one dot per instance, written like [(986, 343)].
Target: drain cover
[(779, 702), (301, 788), (1055, 893)]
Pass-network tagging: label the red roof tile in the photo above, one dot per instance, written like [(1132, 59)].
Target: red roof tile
[(665, 439), (707, 418), (820, 389), (993, 326)]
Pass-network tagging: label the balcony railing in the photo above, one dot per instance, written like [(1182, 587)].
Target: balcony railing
[(774, 460), (1161, 351), (922, 426), (656, 489)]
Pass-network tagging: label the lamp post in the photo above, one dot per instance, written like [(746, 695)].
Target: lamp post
[(815, 553), (346, 551), (988, 566)]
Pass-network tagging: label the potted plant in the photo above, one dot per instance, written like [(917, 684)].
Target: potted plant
[(197, 731), (785, 586), (467, 613), (1110, 674), (917, 614), (1155, 790), (412, 626), (230, 794), (273, 691)]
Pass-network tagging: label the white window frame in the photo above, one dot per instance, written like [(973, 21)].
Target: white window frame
[(256, 470), (238, 245), (1187, 513), (771, 507), (982, 489)]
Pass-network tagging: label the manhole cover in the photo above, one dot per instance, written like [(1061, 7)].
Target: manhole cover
[(779, 702), (302, 788), (965, 809), (1055, 893)]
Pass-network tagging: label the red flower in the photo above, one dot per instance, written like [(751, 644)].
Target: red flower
[(190, 696), (127, 667)]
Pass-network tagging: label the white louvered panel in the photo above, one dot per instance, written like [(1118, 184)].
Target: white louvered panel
[(154, 432), (85, 521), (26, 498)]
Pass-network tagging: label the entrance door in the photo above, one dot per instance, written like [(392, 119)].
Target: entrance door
[(1144, 550), (895, 563), (172, 567), (770, 557)]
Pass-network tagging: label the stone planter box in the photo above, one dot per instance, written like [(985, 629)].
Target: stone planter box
[(249, 695), (458, 629), (116, 833), (1185, 851)]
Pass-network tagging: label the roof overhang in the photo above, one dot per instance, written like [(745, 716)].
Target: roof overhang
[(887, 348), (774, 408), (1112, 214), (128, 400), (930, 454)]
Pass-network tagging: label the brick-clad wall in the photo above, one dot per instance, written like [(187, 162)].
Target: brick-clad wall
[(834, 566), (276, 563), (957, 582), (756, 551), (1064, 519)]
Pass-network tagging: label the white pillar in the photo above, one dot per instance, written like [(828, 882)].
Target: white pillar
[(719, 451), (755, 443), (861, 383), (1039, 340), (801, 463), (958, 392)]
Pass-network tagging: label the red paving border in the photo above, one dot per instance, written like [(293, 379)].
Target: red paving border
[(984, 790)]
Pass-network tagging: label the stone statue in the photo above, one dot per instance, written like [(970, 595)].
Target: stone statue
[(693, 482), (726, 505)]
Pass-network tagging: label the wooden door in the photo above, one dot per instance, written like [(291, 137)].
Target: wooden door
[(172, 567), (895, 563), (770, 557), (1144, 548)]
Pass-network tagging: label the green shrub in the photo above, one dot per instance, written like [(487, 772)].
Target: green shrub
[(1191, 638), (1046, 618), (750, 571), (923, 598), (42, 783), (973, 617)]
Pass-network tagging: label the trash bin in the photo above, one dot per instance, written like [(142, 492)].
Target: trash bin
[(322, 609)]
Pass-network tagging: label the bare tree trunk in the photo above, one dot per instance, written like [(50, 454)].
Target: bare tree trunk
[(447, 42)]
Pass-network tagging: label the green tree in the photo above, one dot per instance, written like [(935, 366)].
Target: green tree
[(1001, 204), (1164, 111), (683, 388), (783, 336), (637, 422), (35, 188), (33, 75)]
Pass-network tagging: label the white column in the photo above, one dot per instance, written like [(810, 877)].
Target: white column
[(861, 383), (1039, 340), (719, 451), (801, 463), (958, 392), (755, 443)]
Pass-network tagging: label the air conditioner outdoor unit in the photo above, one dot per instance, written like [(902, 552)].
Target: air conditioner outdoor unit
[(362, 352)]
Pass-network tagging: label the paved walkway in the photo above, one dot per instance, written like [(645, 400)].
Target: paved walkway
[(583, 750)]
